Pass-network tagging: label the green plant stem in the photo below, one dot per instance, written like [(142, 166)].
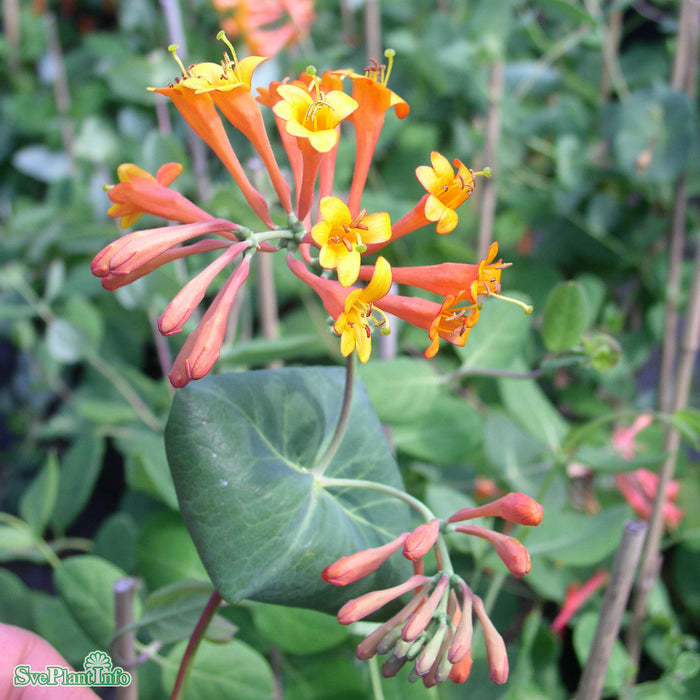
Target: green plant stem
[(207, 614), (39, 542), (320, 467), (375, 678), (425, 513)]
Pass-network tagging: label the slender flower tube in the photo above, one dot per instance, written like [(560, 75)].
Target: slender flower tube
[(139, 193), (199, 112), (203, 346), (229, 85), (495, 646), (450, 320), (112, 282), (513, 507), (419, 620), (419, 542), (374, 98), (359, 608), (188, 298), (358, 565), (314, 123), (511, 552), (451, 278), (430, 654), (342, 238), (136, 249)]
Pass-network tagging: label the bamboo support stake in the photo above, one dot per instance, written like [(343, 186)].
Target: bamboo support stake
[(612, 610), (493, 136), (124, 646), (676, 397), (373, 29)]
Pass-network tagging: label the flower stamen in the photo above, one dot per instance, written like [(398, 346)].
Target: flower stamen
[(173, 50)]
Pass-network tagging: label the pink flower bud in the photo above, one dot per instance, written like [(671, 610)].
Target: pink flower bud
[(369, 646), (187, 299), (356, 566), (392, 666), (511, 551), (495, 646), (419, 621), (421, 540), (359, 608), (513, 507), (576, 596), (462, 640)]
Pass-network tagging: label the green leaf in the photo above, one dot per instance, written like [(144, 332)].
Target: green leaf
[(498, 337), (165, 553), (55, 624), (605, 460), (38, 501), (146, 465), (565, 317), (298, 631), (568, 537), (85, 583), (687, 422), (116, 540), (15, 601), (171, 613), (76, 332), (240, 447), (80, 468), (529, 405), (221, 671), (401, 390), (446, 436), (18, 542), (619, 669)]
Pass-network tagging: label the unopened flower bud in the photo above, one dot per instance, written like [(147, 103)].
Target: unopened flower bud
[(421, 540), (392, 666), (356, 566), (513, 507), (495, 646), (429, 655), (359, 608), (375, 642), (462, 640), (461, 670), (511, 552), (419, 621)]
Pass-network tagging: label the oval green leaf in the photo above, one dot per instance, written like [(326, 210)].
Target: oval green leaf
[(240, 447), (565, 317)]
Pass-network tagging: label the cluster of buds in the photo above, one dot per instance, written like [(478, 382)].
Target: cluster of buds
[(320, 230), (434, 630)]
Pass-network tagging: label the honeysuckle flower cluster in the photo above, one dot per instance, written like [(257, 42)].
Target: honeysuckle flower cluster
[(433, 631), (266, 26), (326, 235)]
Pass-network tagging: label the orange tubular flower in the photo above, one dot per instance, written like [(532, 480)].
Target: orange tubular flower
[(342, 238), (314, 123), (576, 596), (513, 507), (451, 320), (421, 540), (447, 191), (139, 193), (511, 552), (451, 278), (199, 112), (351, 308), (228, 84), (374, 99)]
